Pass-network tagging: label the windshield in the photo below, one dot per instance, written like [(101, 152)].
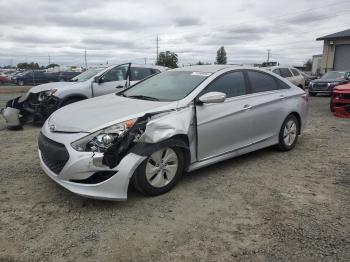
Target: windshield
[(167, 86), (87, 74), (334, 75)]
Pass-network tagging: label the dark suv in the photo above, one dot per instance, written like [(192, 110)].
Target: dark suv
[(327, 82), (34, 77)]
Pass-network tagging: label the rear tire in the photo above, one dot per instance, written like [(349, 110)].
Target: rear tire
[(160, 172), (289, 133)]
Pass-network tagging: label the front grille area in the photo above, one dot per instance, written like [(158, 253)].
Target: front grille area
[(54, 155), (321, 86), (32, 100)]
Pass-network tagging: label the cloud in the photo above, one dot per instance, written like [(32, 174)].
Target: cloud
[(125, 30), (34, 39), (187, 21), (308, 18)]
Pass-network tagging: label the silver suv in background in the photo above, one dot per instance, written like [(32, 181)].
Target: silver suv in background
[(292, 74), (42, 100)]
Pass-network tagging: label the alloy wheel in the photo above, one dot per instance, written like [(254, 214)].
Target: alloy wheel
[(290, 132), (161, 167)]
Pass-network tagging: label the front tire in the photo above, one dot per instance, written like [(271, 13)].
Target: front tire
[(289, 133), (70, 101), (312, 93), (160, 172)]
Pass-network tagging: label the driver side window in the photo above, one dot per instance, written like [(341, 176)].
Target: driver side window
[(232, 84), (115, 74)]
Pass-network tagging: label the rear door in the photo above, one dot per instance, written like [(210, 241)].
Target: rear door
[(267, 101), (113, 80), (224, 127)]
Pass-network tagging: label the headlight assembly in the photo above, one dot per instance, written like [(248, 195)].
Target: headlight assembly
[(101, 140), (46, 94)]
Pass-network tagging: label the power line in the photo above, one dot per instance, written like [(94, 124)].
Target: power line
[(85, 58), (157, 45)]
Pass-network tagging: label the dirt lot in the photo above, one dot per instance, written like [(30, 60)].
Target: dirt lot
[(264, 206)]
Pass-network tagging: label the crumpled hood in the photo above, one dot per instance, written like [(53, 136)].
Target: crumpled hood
[(53, 85), (94, 114)]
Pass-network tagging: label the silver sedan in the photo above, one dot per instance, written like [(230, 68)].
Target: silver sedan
[(176, 121)]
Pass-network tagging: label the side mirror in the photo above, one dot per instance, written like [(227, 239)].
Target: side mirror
[(98, 80), (212, 97)]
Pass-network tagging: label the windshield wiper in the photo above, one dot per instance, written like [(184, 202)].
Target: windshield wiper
[(143, 97)]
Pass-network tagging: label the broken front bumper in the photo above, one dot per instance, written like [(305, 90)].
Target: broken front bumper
[(79, 167)]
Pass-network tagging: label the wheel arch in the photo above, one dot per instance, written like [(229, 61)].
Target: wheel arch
[(298, 117), (180, 141), (68, 97)]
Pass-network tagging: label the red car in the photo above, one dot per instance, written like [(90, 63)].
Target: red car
[(4, 80), (340, 101)]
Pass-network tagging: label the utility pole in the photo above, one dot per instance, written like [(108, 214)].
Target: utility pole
[(268, 55), (145, 60), (157, 44), (85, 59), (49, 59)]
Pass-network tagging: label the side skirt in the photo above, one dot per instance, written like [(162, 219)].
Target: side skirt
[(241, 151)]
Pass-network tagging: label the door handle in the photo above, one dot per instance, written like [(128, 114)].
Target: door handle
[(247, 107)]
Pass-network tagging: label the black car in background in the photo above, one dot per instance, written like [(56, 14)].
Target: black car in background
[(308, 78), (41, 77), (67, 76), (34, 78), (327, 82)]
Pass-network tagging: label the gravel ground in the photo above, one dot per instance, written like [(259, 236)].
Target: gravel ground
[(264, 206)]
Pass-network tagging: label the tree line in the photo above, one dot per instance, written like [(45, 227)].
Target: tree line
[(170, 59)]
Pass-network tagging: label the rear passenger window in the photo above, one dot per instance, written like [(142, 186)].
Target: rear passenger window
[(285, 72), (139, 73), (232, 84), (295, 72), (276, 71), (261, 82)]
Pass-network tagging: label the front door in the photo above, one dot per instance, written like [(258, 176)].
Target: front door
[(111, 81), (224, 127)]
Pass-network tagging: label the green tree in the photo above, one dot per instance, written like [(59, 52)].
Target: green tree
[(52, 65), (31, 65), (168, 59), (308, 65), (221, 58)]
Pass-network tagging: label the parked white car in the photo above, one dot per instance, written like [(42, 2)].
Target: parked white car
[(42, 100), (292, 74)]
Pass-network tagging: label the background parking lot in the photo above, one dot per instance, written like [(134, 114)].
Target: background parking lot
[(264, 206)]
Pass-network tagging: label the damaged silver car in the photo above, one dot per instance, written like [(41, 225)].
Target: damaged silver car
[(176, 121)]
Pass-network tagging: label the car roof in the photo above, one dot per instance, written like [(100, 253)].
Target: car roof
[(206, 68), (279, 66)]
